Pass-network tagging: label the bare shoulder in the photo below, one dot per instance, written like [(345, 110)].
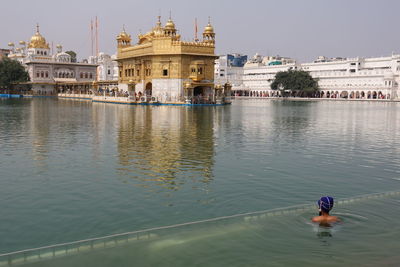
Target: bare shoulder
[(333, 219), (317, 219), (328, 219)]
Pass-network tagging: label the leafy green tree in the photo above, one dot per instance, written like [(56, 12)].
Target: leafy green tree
[(295, 83), (72, 54), (11, 71)]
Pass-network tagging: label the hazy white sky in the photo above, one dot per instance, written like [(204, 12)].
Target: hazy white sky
[(303, 29)]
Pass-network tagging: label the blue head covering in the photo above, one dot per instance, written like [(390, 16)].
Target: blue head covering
[(325, 204)]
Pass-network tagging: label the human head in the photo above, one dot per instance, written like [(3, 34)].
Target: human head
[(325, 204)]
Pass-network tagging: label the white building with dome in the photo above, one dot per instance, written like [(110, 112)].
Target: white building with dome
[(50, 73)]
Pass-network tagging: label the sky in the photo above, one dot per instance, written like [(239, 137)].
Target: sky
[(301, 29)]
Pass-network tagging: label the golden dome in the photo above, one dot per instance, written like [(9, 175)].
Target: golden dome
[(123, 35), (22, 43), (38, 41), (10, 44), (170, 25), (209, 28)]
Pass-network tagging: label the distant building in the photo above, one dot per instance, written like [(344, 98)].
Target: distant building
[(353, 78), (107, 67), (51, 73), (357, 78), (4, 52), (229, 69)]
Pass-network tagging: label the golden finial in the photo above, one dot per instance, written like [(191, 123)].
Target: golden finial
[(37, 27), (159, 21)]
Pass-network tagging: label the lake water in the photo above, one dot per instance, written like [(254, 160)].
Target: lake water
[(72, 170)]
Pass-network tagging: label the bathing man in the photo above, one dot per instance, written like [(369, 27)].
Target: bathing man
[(325, 204)]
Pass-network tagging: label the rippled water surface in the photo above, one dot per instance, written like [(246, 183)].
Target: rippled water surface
[(72, 170)]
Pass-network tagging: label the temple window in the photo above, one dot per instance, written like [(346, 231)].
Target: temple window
[(37, 74), (165, 72), (91, 75), (126, 73), (42, 74), (137, 72), (47, 74), (200, 71), (86, 75), (81, 75)]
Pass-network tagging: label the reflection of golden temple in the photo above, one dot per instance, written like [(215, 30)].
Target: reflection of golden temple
[(166, 148), (162, 67)]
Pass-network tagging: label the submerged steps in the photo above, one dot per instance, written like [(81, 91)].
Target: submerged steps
[(163, 238)]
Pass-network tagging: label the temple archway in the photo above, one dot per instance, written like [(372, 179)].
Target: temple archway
[(344, 94), (149, 89)]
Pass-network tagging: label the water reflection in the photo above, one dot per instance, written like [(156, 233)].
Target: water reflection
[(56, 126), (166, 146), (40, 128), (291, 119)]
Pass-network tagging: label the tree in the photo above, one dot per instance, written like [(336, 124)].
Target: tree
[(11, 71), (72, 54), (295, 82)]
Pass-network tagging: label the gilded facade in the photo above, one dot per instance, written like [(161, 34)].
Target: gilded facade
[(163, 68)]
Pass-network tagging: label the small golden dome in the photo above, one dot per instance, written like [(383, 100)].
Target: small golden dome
[(22, 43), (209, 28), (170, 25), (123, 35), (38, 41), (10, 44)]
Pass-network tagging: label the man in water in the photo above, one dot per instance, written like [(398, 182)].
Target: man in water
[(325, 204)]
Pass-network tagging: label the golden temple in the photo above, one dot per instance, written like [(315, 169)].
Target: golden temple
[(163, 68)]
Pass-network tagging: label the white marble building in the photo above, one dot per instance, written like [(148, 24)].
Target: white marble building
[(107, 66), (49, 72), (228, 71), (354, 78)]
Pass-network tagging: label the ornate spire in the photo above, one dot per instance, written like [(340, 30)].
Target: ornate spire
[(123, 38), (159, 21), (209, 34)]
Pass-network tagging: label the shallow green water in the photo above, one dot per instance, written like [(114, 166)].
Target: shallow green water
[(72, 170)]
